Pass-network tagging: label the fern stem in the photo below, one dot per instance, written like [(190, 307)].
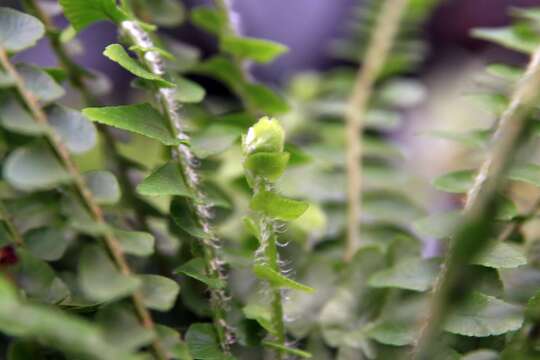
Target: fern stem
[(84, 192), (475, 233), (13, 231), (271, 257), (380, 45), (187, 162)]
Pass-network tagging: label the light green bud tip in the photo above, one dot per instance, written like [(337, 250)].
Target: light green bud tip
[(266, 135)]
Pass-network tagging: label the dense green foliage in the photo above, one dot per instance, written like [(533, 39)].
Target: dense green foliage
[(181, 226)]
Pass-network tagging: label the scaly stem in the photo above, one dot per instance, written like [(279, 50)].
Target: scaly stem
[(380, 45), (13, 231), (475, 233), (187, 160), (84, 192)]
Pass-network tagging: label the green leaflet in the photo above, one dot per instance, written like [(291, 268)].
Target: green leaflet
[(411, 274), (196, 269), (117, 53), (165, 181), (182, 214), (476, 317), (142, 119), (34, 168), (258, 50), (100, 280), (288, 350), (267, 165), (61, 330), (203, 343), (509, 37), (159, 292), (19, 31), (15, 118), (135, 242), (210, 19), (104, 186), (265, 272), (189, 91), (40, 83), (166, 13), (47, 243), (278, 207), (261, 314), (502, 256), (82, 13), (77, 133)]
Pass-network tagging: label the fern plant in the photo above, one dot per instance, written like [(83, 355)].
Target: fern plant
[(183, 225)]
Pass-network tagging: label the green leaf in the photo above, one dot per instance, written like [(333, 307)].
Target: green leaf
[(122, 328), (502, 256), (117, 53), (267, 165), (159, 293), (60, 330), (506, 72), (165, 181), (34, 168), (77, 133), (288, 350), (46, 243), (166, 13), (82, 13), (265, 99), (392, 333), (135, 242), (173, 343), (183, 216), (455, 182), (19, 31), (99, 278), (258, 50), (438, 225), (39, 83), (189, 91), (509, 37), (210, 19), (482, 315), (141, 119), (276, 279), (104, 186), (411, 274), (196, 269), (261, 314), (214, 140), (475, 138), (528, 173), (15, 118), (278, 207), (203, 342)]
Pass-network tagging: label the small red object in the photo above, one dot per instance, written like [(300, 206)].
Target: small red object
[(8, 256)]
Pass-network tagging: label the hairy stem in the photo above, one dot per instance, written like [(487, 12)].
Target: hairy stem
[(84, 192), (475, 233), (13, 231), (187, 162), (380, 45)]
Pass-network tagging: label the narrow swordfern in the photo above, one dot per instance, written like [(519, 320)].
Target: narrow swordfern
[(264, 163), (83, 190), (475, 233)]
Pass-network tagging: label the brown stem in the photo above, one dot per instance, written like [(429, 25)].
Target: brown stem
[(84, 192), (380, 45)]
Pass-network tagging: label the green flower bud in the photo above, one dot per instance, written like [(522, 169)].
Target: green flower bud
[(266, 135)]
